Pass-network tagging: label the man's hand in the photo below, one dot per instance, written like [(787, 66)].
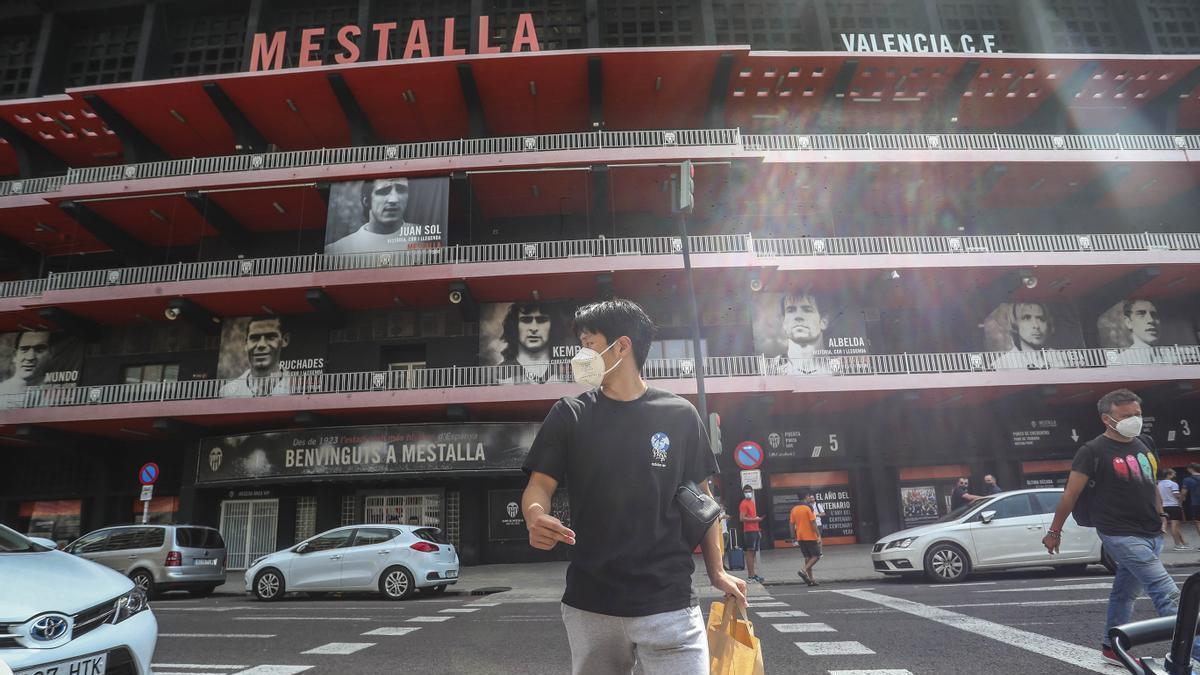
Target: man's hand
[(731, 586), (1051, 542), (545, 531)]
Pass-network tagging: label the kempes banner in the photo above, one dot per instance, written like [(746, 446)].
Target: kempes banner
[(801, 331), (271, 355), (528, 336), (387, 214), (373, 450), (34, 358)]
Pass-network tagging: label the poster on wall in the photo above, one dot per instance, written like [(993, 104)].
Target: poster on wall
[(387, 214), (1139, 329), (507, 523), (795, 449), (808, 333), (271, 355), (830, 489), (919, 504), (1022, 330), (37, 359), (373, 450), (532, 340)]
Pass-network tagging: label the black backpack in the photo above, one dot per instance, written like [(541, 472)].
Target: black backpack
[(1082, 512)]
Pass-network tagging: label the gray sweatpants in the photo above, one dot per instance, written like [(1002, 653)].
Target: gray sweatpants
[(670, 643)]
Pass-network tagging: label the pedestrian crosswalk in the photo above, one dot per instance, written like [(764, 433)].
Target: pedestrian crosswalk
[(811, 647), (225, 669)]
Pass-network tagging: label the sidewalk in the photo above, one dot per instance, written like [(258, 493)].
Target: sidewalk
[(538, 582)]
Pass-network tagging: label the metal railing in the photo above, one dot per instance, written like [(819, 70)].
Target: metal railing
[(591, 248), (594, 140), (560, 372)]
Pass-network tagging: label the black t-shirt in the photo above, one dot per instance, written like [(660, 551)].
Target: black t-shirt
[(958, 498), (621, 462), (1123, 500)]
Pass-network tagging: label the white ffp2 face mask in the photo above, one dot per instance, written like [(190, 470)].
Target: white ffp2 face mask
[(587, 366), (1130, 427)]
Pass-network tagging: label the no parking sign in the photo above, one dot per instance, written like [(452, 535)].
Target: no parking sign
[(748, 455)]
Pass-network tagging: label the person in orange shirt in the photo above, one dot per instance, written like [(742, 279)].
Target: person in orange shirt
[(751, 531), (803, 524)]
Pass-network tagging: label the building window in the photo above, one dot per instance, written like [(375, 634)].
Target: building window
[(453, 519), (349, 509), (296, 16), (1083, 26), (150, 373), (984, 17), (205, 44), (647, 23), (306, 517), (765, 24), (676, 349), (16, 64), (102, 54), (559, 22), (434, 13), (875, 16), (1174, 25)]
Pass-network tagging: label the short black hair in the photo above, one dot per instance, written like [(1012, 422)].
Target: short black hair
[(802, 495), (746, 487), (1115, 398), (1127, 306), (283, 327), (615, 318), (509, 327)]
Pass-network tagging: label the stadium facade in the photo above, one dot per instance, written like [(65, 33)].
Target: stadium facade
[(317, 260)]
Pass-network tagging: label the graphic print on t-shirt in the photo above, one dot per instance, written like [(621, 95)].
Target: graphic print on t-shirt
[(659, 444), (1135, 471), (1119, 469), (1147, 472)]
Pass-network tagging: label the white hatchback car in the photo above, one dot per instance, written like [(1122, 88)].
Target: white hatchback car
[(63, 614), (395, 560), (998, 532)]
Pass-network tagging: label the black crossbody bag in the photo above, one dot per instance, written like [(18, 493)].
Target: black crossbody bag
[(698, 512)]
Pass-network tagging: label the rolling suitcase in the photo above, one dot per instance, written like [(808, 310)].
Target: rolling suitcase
[(735, 557)]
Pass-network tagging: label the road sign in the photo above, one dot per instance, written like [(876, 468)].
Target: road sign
[(148, 474), (753, 478), (147, 492), (749, 455)]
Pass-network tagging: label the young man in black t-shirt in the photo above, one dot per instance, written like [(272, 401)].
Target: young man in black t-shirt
[(622, 448), (1125, 508)]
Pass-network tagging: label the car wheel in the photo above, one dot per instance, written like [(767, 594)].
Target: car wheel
[(396, 583), (269, 585), (202, 591), (432, 590), (946, 564), (1107, 561), (144, 581)]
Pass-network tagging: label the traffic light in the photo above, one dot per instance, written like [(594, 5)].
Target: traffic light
[(686, 198), (714, 433)]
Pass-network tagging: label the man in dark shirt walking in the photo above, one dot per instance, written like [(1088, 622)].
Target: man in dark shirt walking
[(962, 495), (1125, 507), (622, 448)]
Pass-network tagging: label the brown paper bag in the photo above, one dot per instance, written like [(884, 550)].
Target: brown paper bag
[(732, 647)]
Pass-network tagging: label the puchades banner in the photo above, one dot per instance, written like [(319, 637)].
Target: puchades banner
[(802, 332), (387, 214), (1140, 328), (36, 358), (372, 450), (1022, 330), (271, 355), (533, 339)]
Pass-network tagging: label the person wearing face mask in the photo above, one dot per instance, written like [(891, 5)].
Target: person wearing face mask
[(622, 448), (1119, 467), (751, 531)]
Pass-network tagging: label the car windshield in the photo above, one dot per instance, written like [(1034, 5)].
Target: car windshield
[(960, 511), (430, 534), (11, 542), (198, 537)]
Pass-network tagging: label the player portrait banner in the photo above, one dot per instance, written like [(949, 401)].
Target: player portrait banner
[(387, 214), (809, 333), (271, 355), (369, 451), (532, 339), (1021, 331), (1136, 331), (38, 358)]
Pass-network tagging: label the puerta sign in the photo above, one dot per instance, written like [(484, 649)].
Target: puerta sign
[(358, 451)]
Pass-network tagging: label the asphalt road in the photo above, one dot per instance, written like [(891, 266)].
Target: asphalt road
[(1028, 622)]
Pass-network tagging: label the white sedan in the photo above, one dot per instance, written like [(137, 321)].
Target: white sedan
[(63, 614), (394, 560), (998, 532)]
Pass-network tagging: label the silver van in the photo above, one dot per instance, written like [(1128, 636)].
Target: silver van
[(159, 558)]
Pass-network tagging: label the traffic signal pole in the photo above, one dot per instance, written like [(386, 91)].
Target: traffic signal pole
[(684, 200)]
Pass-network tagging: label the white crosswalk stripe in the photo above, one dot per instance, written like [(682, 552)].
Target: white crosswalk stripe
[(393, 630), (845, 648), (803, 628), (458, 610), (430, 619), (340, 648), (782, 614), (885, 671)]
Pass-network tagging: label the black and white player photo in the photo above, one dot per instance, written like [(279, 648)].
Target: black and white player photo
[(801, 331), (531, 339), (1029, 335), (36, 358), (1145, 330), (256, 361), (387, 214)]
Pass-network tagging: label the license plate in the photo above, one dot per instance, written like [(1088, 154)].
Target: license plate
[(206, 561), (88, 665), (452, 574)]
